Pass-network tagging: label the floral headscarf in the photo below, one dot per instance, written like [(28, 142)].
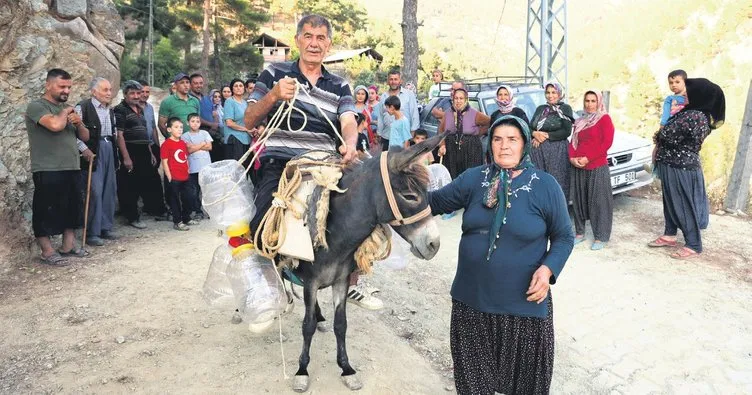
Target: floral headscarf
[(551, 109), (590, 118), (505, 106), (499, 189)]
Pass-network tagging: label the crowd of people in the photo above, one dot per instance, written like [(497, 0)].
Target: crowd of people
[(109, 155)]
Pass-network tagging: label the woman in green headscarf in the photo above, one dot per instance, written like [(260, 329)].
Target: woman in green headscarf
[(516, 238)]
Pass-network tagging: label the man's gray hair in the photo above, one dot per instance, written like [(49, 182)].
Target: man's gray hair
[(131, 85), (95, 82), (314, 20)]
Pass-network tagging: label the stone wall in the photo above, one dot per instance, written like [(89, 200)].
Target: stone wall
[(83, 37)]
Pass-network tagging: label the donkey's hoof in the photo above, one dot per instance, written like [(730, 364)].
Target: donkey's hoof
[(352, 382), (300, 383), (323, 327)]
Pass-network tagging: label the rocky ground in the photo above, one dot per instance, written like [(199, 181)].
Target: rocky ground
[(130, 319)]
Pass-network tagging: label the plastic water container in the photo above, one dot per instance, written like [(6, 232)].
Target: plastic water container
[(259, 294), (439, 176), (399, 257), (217, 291), (227, 195)]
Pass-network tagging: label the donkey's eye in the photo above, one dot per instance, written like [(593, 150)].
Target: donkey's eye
[(410, 197)]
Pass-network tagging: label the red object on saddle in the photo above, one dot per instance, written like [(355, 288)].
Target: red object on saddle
[(237, 241)]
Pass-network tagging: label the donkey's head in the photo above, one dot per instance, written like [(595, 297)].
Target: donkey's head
[(405, 201)]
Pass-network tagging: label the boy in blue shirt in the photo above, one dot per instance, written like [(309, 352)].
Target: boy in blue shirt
[(399, 135)]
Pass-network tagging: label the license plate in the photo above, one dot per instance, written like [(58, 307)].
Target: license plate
[(622, 179)]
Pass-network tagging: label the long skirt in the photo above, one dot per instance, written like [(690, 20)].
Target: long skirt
[(592, 200), (463, 151), (501, 353), (553, 158), (685, 203)]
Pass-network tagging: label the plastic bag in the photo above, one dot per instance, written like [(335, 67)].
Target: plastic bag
[(217, 291), (227, 195), (259, 294), (439, 176), (399, 257)]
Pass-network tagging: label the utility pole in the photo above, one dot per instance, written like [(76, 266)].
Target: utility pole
[(737, 195), (410, 41), (150, 67), (546, 50)]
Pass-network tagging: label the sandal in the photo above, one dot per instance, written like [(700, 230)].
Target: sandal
[(579, 239), (685, 253), (74, 252), (54, 260), (663, 242)]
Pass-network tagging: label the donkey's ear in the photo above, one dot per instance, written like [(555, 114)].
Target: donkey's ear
[(403, 159)]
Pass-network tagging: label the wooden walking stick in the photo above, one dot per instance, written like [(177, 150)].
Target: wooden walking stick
[(88, 196)]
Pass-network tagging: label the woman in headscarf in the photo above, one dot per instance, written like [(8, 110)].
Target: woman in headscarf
[(590, 184), (217, 152), (516, 238), (552, 125), (361, 104), (462, 148), (677, 161), (504, 96)]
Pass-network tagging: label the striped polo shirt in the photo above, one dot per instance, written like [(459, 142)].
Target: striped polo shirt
[(331, 93)]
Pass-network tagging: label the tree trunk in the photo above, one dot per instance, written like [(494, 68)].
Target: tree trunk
[(410, 41), (217, 63), (206, 39), (737, 197)]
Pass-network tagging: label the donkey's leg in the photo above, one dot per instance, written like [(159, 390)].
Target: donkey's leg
[(320, 320), (339, 295), (301, 381)]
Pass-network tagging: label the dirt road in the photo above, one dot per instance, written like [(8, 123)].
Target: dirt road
[(130, 319)]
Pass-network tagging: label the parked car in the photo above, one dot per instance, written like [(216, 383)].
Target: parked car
[(629, 159)]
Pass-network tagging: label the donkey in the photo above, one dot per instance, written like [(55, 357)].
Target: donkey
[(352, 217)]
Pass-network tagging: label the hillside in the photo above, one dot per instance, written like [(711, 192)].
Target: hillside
[(627, 47)]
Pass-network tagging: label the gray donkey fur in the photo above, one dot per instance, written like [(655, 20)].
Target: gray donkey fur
[(352, 217)]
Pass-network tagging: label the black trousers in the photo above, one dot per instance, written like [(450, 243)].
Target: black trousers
[(384, 144), (195, 191), (141, 182), (58, 203), (234, 149), (267, 183), (179, 201)]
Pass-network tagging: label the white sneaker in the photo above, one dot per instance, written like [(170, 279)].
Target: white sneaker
[(358, 295)]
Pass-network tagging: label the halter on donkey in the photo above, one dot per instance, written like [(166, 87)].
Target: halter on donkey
[(389, 190)]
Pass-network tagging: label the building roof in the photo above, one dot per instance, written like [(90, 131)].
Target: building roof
[(266, 40), (341, 56)]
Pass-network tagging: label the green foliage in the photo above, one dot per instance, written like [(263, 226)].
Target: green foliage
[(164, 21), (167, 63), (239, 61), (346, 16)]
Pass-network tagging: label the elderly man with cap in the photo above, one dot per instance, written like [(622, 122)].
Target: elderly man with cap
[(179, 105), (102, 149), (138, 176)]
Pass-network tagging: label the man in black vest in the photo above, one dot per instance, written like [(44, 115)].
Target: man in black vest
[(100, 120), (142, 178)]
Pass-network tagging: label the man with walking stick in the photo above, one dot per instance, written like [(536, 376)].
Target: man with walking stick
[(101, 149), (52, 127)]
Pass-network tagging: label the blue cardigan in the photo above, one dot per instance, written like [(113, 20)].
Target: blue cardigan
[(538, 214)]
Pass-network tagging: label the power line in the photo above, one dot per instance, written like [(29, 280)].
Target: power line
[(498, 24)]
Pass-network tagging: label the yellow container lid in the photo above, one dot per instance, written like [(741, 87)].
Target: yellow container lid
[(238, 229), (242, 248)]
